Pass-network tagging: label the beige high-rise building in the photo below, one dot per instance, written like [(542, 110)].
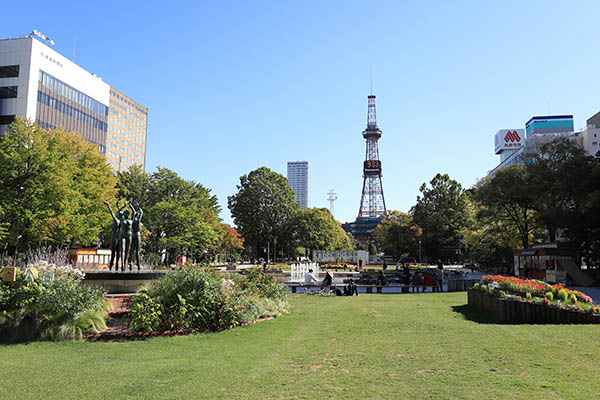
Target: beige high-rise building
[(127, 128)]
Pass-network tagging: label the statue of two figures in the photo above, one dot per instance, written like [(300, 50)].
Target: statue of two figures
[(126, 235)]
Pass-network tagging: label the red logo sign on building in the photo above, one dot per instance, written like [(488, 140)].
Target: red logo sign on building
[(512, 137)]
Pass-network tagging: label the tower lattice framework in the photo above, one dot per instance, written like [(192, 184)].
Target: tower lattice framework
[(372, 202)]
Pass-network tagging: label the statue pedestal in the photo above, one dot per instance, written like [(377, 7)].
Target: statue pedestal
[(123, 282)]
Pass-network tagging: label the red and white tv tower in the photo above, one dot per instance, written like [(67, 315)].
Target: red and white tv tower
[(372, 202)]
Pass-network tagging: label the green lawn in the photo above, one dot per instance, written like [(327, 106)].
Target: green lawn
[(373, 346)]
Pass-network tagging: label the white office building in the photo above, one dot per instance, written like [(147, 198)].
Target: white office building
[(39, 84), (513, 144), (298, 175)]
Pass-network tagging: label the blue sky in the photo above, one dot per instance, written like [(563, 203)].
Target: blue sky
[(232, 86)]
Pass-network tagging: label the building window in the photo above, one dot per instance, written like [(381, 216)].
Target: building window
[(67, 91), (8, 92), (6, 119), (9, 71)]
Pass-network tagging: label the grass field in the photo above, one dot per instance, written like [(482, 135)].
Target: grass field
[(417, 346)]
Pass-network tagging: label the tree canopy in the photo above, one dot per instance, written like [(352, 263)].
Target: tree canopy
[(180, 215), (398, 235), (441, 212), (263, 209), (554, 195), (54, 184), (316, 229)]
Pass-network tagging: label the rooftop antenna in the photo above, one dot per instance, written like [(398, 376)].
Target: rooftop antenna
[(74, 45), (371, 78), (332, 197)]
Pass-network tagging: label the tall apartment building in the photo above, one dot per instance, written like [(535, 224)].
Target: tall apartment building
[(298, 176), (38, 83)]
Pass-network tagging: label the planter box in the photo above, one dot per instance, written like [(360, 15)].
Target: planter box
[(522, 312)]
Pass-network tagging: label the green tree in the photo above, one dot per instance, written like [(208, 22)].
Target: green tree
[(316, 229), (398, 235), (488, 242), (263, 209), (558, 181), (563, 182), (53, 187), (181, 216), (441, 212), (506, 198)]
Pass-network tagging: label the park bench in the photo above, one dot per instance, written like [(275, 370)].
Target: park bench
[(368, 287), (405, 288), (295, 286)]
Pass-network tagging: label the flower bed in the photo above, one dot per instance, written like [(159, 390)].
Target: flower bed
[(514, 300)]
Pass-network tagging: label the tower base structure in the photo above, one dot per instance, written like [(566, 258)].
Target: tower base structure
[(363, 228)]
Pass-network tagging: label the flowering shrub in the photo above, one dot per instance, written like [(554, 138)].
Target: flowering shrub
[(516, 285), (60, 272)]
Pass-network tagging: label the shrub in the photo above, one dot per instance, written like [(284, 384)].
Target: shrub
[(63, 309), (562, 295), (550, 296), (262, 285), (501, 293), (573, 299), (145, 313), (199, 299)]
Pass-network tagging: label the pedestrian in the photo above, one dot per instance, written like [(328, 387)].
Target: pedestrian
[(381, 281)]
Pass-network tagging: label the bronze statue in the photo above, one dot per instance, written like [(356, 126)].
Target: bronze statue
[(115, 241), (125, 239), (136, 238)]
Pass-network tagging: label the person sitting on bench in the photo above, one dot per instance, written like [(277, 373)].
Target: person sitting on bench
[(327, 281), (416, 281), (309, 280), (428, 281)]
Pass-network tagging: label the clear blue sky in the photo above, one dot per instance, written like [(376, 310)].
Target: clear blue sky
[(232, 86)]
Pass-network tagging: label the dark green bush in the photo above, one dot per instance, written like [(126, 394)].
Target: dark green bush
[(64, 309), (199, 299)]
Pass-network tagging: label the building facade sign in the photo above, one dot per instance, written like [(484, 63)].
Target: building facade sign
[(508, 139)]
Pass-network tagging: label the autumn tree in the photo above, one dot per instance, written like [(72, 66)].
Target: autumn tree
[(398, 235), (230, 241)]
